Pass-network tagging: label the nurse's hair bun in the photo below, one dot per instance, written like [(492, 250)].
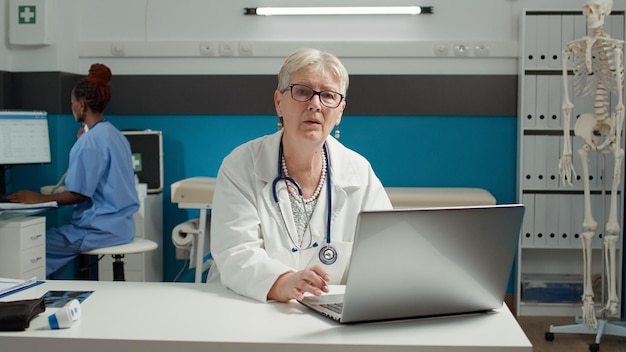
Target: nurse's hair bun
[(95, 88), (99, 74)]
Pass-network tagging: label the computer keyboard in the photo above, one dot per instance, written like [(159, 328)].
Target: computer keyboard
[(335, 307)]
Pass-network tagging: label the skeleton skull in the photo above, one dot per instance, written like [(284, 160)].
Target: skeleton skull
[(596, 11)]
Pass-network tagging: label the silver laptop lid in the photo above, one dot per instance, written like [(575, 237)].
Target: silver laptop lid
[(431, 261)]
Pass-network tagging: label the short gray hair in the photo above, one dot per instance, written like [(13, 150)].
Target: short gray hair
[(314, 59)]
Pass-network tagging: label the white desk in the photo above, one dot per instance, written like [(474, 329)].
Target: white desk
[(151, 316)]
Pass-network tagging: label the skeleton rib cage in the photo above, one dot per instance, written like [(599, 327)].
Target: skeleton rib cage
[(603, 67)]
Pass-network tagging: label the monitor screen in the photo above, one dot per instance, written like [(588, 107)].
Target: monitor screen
[(24, 137)]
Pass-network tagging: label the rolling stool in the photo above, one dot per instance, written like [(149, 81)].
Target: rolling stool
[(138, 245)]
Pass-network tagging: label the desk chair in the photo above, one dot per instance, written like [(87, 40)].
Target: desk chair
[(138, 245)]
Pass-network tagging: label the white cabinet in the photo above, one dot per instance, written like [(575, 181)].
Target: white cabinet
[(146, 266), (550, 259), (23, 248)]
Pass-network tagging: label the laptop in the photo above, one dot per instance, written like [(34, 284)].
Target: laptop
[(424, 262)]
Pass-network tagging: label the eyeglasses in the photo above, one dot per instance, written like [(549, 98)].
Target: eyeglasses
[(328, 98)]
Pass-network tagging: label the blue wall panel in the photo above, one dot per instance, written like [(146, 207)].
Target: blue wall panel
[(411, 151)]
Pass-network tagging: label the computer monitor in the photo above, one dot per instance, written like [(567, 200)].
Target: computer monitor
[(24, 137)]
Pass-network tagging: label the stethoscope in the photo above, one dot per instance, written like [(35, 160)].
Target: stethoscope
[(327, 254)]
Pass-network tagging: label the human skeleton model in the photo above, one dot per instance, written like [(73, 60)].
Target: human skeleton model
[(598, 71)]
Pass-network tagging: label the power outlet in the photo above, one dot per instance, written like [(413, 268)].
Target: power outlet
[(462, 49), (481, 49), (117, 49), (208, 49), (442, 49), (227, 49), (246, 49)]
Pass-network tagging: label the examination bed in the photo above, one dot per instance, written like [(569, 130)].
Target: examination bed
[(197, 193)]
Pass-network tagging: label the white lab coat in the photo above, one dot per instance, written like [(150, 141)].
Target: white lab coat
[(249, 243)]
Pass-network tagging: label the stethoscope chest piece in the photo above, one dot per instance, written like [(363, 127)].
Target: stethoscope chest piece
[(328, 255)]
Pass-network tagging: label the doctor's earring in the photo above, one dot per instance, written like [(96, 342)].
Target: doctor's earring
[(337, 132), (279, 125)]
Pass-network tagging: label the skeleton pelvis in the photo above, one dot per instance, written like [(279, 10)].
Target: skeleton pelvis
[(593, 129)]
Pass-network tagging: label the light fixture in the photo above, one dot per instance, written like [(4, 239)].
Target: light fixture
[(352, 10)]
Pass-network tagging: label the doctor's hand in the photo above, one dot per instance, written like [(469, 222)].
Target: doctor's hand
[(293, 285), (27, 197)]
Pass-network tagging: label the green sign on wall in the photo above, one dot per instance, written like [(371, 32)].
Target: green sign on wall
[(27, 14), (137, 164)]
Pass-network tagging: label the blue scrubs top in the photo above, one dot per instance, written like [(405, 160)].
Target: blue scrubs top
[(101, 168)]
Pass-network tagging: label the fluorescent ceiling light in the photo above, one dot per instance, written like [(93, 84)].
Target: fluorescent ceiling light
[(353, 10)]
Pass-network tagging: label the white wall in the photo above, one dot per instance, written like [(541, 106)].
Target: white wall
[(165, 36)]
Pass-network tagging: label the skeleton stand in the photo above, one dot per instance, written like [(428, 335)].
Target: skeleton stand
[(604, 327), (598, 70)]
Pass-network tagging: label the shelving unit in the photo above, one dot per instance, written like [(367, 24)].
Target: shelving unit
[(550, 243)]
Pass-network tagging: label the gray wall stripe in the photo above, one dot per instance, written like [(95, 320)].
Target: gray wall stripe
[(412, 95)]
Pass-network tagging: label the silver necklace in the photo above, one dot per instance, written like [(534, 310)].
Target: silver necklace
[(293, 190), (301, 208)]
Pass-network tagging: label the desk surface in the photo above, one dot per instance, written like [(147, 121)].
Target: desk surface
[(156, 316)]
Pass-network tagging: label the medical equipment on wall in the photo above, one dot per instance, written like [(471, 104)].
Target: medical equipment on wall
[(327, 254), (194, 193)]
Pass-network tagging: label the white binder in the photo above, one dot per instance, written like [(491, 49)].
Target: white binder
[(541, 161), (565, 220), (528, 225), (543, 89), (554, 41), (528, 155), (552, 221), (576, 144), (543, 48), (555, 102), (541, 218), (530, 38), (567, 31), (577, 217), (530, 102), (552, 156)]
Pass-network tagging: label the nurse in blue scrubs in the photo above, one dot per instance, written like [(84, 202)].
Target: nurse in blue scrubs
[(100, 181)]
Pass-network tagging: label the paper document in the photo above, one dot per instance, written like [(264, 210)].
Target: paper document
[(57, 299), (8, 286), (15, 210), (25, 207)]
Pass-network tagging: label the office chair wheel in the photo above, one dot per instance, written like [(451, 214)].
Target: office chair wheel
[(549, 336), (594, 347)]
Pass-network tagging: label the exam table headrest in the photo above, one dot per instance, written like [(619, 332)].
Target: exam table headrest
[(194, 190)]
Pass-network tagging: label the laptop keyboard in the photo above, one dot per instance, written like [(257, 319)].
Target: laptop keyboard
[(335, 307)]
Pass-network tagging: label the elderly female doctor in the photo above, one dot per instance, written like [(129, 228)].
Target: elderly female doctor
[(285, 206)]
